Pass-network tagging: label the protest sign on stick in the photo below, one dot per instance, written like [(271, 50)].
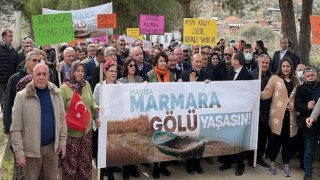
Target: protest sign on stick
[(315, 29), (53, 28), (200, 31), (106, 21), (134, 33), (151, 24)]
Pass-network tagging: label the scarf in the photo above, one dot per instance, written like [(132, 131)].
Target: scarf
[(71, 80), (165, 73)]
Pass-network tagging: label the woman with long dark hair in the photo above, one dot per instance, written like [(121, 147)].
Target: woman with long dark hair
[(281, 88)]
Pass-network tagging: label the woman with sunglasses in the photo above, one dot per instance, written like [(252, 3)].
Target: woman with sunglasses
[(160, 73), (281, 88), (129, 72), (129, 75)]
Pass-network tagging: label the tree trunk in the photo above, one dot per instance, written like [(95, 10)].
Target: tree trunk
[(288, 22), (186, 9), (305, 28)]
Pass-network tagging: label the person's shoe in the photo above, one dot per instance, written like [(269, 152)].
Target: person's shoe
[(116, 169), (225, 166), (190, 170), (164, 170), (134, 172), (198, 169), (301, 166), (262, 163), (146, 164), (156, 173), (125, 172), (307, 177), (250, 163), (240, 170), (209, 160), (285, 170), (272, 168)]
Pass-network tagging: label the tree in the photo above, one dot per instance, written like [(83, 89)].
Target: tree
[(185, 4), (302, 48), (305, 28)]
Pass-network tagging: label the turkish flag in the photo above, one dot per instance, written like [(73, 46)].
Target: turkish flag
[(77, 117)]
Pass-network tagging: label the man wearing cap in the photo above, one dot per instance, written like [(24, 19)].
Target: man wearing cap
[(307, 94), (186, 50)]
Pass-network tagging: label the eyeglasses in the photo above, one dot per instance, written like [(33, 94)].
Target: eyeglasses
[(132, 65), (216, 58), (121, 44), (309, 69), (227, 54), (112, 71)]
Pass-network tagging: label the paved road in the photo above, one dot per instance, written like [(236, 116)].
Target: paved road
[(212, 172)]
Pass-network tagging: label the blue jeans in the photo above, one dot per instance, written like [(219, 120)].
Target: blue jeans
[(310, 144)]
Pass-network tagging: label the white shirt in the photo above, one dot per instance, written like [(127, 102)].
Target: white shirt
[(237, 73), (95, 61), (282, 53)]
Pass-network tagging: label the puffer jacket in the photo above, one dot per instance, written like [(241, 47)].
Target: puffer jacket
[(8, 62)]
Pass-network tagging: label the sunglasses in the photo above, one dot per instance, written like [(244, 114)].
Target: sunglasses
[(132, 65), (309, 70), (121, 44), (227, 54)]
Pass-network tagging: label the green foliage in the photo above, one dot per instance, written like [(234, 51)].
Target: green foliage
[(255, 32), (127, 11)]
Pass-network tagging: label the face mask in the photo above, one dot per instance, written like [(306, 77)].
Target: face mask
[(299, 74), (248, 56)]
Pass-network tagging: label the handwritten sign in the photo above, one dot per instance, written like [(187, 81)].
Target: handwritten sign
[(53, 28), (315, 29), (151, 24), (199, 31), (106, 21), (134, 33)]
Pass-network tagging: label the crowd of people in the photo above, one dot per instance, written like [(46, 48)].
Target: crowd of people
[(38, 111)]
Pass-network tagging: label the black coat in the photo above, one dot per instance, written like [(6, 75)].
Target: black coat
[(243, 75), (264, 104), (8, 62), (89, 67), (176, 73), (274, 64), (146, 68), (185, 66), (305, 93), (9, 98), (220, 71), (201, 76)]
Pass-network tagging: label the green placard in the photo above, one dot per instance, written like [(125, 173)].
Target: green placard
[(53, 28)]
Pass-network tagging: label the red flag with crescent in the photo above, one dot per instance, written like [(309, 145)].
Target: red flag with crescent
[(77, 116)]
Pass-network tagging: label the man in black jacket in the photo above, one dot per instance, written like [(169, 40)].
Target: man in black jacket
[(8, 61), (196, 73), (264, 132), (305, 98), (239, 73), (278, 55), (221, 70)]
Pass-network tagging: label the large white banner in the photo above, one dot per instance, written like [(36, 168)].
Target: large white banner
[(223, 115), (85, 20)]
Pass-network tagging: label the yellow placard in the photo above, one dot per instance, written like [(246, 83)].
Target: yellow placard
[(200, 31), (134, 33)]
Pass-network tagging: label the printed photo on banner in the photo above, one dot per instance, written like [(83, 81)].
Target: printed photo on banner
[(170, 121), (85, 20)]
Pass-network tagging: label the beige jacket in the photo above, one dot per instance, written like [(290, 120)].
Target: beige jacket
[(26, 121), (276, 90)]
